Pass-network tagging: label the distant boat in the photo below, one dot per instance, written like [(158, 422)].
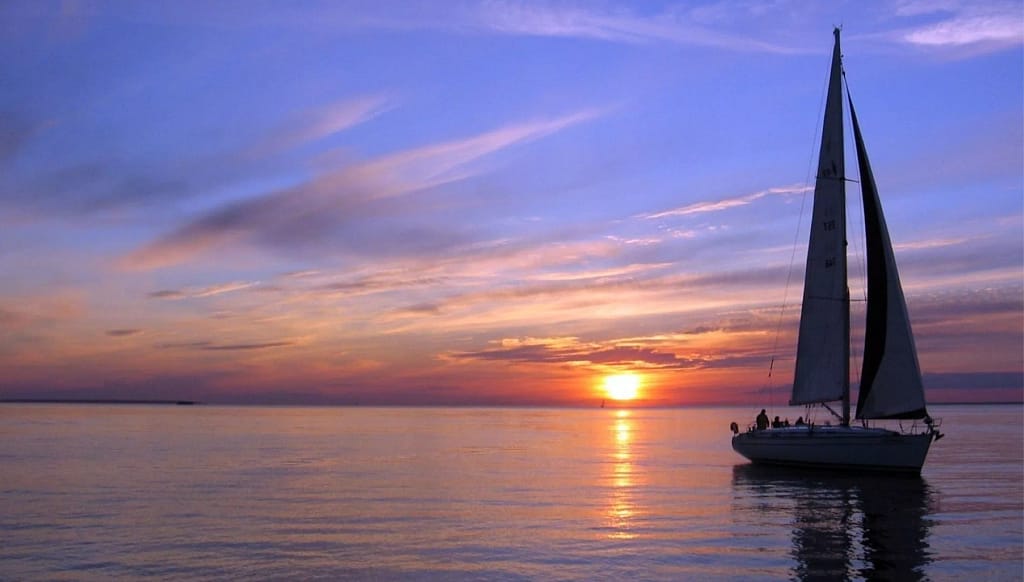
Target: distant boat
[(890, 381)]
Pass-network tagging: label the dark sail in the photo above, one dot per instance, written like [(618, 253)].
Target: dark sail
[(890, 385)]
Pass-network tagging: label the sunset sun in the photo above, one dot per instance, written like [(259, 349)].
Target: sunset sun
[(622, 386)]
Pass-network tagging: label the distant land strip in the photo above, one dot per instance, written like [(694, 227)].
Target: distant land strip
[(93, 401)]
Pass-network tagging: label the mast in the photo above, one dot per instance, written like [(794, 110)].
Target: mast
[(823, 348)]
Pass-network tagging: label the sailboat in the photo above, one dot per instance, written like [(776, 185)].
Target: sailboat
[(890, 380)]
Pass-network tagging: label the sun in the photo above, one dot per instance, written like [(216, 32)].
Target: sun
[(622, 386)]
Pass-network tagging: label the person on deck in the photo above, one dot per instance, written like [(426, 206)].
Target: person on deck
[(762, 420), (776, 423), (800, 421)]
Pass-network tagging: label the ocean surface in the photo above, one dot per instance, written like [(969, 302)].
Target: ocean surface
[(222, 493)]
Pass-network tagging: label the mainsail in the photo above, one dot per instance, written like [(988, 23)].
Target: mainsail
[(890, 385), (823, 349)]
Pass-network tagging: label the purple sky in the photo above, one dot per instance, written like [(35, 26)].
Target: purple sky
[(487, 201)]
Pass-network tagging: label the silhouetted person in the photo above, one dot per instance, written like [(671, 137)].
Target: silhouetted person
[(800, 421), (776, 423), (762, 420)]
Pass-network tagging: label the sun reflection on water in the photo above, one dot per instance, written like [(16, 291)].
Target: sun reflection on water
[(622, 507)]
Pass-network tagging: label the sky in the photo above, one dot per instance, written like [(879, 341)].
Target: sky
[(491, 201)]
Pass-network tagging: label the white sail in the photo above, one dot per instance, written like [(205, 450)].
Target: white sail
[(822, 359), (891, 384)]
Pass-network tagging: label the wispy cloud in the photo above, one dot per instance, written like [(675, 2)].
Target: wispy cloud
[(727, 203), (633, 293), (678, 26), (312, 212), (573, 352), (223, 288), (600, 273), (123, 332), (199, 292), (322, 122), (959, 24), (444, 162), (253, 346), (19, 312), (213, 347), (112, 183), (998, 27), (167, 294), (679, 351), (378, 282), (930, 243)]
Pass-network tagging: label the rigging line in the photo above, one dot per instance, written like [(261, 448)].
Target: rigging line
[(796, 236)]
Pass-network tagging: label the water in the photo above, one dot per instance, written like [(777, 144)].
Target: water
[(209, 492)]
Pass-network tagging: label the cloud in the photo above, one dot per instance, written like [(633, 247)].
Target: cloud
[(223, 288), (167, 294), (444, 162), (183, 345), (930, 243), (744, 340), (210, 291), (210, 346), (340, 203), (920, 7), (995, 256), (622, 24), (727, 203), (98, 185), (998, 29), (721, 349), (111, 183), (253, 346), (123, 332), (385, 281), (617, 271), (421, 309), (957, 24), (965, 317), (322, 122), (618, 25), (571, 351), (35, 311), (632, 287)]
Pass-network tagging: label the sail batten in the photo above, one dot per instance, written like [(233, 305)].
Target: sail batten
[(822, 360)]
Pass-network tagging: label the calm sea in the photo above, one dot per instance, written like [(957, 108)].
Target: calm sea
[(211, 492)]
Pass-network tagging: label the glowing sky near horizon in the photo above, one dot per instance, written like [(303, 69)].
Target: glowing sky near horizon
[(487, 202)]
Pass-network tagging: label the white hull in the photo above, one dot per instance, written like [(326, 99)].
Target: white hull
[(871, 449)]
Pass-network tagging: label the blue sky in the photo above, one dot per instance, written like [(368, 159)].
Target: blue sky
[(485, 202)]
